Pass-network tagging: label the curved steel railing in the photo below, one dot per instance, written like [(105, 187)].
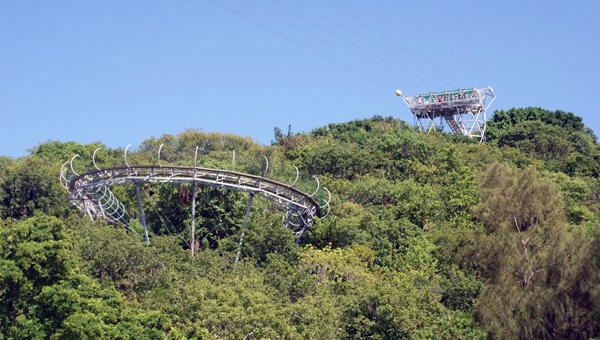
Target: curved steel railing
[(90, 191), (282, 194)]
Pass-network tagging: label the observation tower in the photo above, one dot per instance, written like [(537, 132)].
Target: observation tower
[(463, 110)]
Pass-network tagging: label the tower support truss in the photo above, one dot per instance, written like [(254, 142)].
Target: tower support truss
[(464, 111)]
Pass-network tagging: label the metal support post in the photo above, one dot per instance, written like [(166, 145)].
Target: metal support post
[(237, 257), (142, 216), (289, 216), (87, 209), (99, 202), (193, 219)]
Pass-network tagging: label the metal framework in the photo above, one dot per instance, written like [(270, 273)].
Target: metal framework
[(463, 110), (90, 191)]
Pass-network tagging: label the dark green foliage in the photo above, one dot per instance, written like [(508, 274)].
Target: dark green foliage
[(429, 237), (29, 186), (44, 295), (558, 138), (542, 276), (503, 121), (345, 160), (269, 237), (535, 137)]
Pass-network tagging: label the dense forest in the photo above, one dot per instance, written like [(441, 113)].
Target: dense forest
[(429, 237)]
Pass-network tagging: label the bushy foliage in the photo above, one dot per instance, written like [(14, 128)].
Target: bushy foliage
[(542, 277), (45, 295), (558, 138), (429, 237), (30, 186)]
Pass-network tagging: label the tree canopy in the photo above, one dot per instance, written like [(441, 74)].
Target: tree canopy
[(429, 237)]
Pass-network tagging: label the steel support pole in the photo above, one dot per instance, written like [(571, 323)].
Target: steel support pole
[(142, 216), (99, 203), (289, 217), (193, 219), (237, 257), (87, 209)]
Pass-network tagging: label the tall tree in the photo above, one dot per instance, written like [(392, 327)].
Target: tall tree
[(542, 278)]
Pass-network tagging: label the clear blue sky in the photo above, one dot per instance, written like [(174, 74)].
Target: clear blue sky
[(120, 72)]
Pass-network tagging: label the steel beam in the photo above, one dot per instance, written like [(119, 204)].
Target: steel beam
[(193, 220), (237, 256), (285, 195), (142, 215)]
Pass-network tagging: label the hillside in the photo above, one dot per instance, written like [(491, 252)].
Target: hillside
[(429, 237)]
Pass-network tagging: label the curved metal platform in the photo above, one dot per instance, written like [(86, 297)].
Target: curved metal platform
[(84, 186), (90, 191)]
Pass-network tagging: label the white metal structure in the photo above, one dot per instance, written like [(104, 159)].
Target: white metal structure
[(90, 191), (465, 111)]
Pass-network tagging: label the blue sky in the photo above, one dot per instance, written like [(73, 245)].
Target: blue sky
[(120, 72)]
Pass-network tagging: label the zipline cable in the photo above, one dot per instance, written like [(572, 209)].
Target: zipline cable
[(399, 44), (376, 44), (296, 27), (162, 221), (326, 42), (308, 47), (129, 226), (361, 48)]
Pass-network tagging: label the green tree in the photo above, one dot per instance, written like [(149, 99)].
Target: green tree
[(45, 296), (536, 267), (503, 121), (29, 186)]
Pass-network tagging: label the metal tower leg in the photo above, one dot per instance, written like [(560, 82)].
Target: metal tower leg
[(237, 257), (193, 219), (99, 203), (142, 215), (287, 220), (89, 213)]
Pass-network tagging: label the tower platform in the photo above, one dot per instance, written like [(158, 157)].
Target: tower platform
[(464, 110)]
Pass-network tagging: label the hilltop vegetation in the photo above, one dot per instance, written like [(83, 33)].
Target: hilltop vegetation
[(429, 237)]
